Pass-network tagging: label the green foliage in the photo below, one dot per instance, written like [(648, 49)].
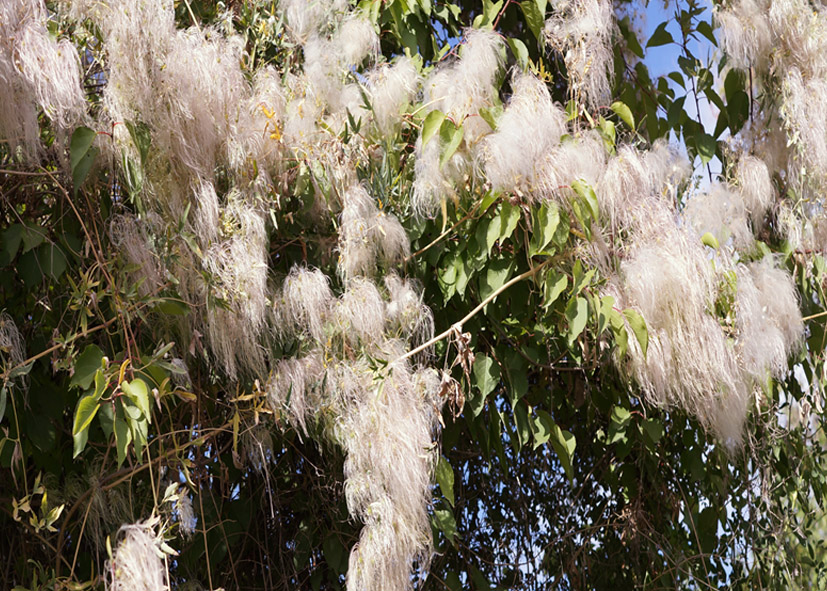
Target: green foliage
[(554, 473)]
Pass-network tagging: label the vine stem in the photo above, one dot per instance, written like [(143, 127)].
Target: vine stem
[(118, 477), (74, 337), (457, 327), (436, 240)]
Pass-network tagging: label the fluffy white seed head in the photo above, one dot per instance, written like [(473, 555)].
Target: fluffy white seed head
[(581, 157), (529, 128), (753, 179), (769, 318), (746, 34), (407, 316), (133, 237), (459, 89), (430, 185), (202, 90), (136, 564), (237, 265), (463, 87), (207, 213), (581, 30), (290, 388), (669, 280), (35, 72), (387, 433), (355, 40), (804, 110), (800, 37), (723, 213), (391, 88), (12, 347), (368, 235), (305, 303), (305, 17), (52, 71), (186, 516), (360, 312)]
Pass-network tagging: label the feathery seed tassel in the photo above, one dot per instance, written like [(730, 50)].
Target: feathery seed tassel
[(136, 564)]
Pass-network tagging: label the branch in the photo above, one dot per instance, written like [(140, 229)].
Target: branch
[(449, 230), (458, 325)]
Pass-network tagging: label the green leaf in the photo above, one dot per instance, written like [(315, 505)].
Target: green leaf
[(131, 411), (447, 274), (451, 136), (23, 370), (497, 273), (555, 284), (564, 443), (678, 78), (85, 412), (653, 429), (660, 37), (541, 426), (488, 232), (81, 154), (710, 240), (621, 416), (490, 10), (523, 426), (445, 479), (517, 374), (631, 40), (85, 367), (608, 133), (586, 193), (509, 217), (100, 384), (79, 440), (737, 110), (29, 270), (619, 330), (142, 137), (123, 436), (638, 327), (733, 83), (705, 29), (606, 306), (625, 113), (674, 113), (520, 52), (33, 236), (446, 523), (106, 418), (486, 374), (580, 279), (52, 260), (139, 431), (546, 219), (12, 236), (334, 553), (706, 145), (534, 12), (138, 392), (82, 140), (491, 115), (577, 313), (3, 397), (431, 125), (172, 307)]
